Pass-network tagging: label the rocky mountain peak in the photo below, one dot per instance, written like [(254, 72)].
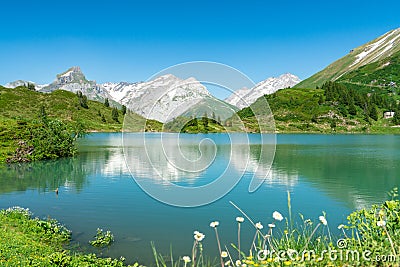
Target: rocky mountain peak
[(245, 97), (72, 75)]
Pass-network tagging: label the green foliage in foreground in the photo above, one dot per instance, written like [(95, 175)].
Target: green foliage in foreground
[(27, 241), (371, 237)]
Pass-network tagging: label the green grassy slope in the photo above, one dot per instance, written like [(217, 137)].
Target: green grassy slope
[(20, 103), (306, 110), (383, 76), (377, 50), (19, 106), (330, 73), (211, 105)]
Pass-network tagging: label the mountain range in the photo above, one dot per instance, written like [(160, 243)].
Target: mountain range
[(163, 98)]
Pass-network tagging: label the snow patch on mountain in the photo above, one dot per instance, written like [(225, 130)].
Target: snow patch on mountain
[(163, 98), (237, 97), (384, 45), (17, 83), (245, 97)]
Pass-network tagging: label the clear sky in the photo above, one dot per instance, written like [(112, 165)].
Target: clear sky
[(132, 40)]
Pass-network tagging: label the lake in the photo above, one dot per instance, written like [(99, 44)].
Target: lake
[(332, 173)]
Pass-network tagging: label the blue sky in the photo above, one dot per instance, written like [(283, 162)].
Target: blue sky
[(132, 40)]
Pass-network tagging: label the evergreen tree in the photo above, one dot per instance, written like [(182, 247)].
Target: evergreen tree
[(106, 103), (374, 112), (123, 110), (31, 87), (396, 117), (342, 109), (82, 99), (42, 113), (195, 122), (114, 114), (204, 121), (333, 124), (103, 118), (321, 100), (352, 109)]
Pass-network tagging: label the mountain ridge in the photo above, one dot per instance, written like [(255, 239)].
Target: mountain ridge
[(382, 47), (163, 98), (245, 97)]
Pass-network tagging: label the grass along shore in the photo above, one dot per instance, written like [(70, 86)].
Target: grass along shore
[(28, 241), (371, 237)]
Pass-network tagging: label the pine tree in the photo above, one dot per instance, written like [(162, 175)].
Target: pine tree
[(123, 110), (106, 103), (352, 109), (83, 102), (82, 99), (114, 114), (321, 99), (396, 117), (374, 112), (42, 113), (333, 124), (204, 121), (31, 86), (103, 118)]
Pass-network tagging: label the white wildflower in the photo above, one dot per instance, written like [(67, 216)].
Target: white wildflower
[(381, 223), (323, 220), (239, 219), (186, 259), (198, 236), (214, 224), (277, 216)]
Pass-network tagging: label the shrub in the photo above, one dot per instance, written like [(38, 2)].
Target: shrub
[(102, 239)]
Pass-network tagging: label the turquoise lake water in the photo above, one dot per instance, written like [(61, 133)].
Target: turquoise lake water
[(331, 173)]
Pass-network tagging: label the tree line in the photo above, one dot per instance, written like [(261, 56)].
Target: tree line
[(348, 100)]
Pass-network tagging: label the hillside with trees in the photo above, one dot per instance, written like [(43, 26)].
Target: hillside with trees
[(29, 120), (331, 108)]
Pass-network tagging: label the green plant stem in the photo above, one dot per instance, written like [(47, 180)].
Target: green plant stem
[(390, 240), (194, 252), (219, 246), (313, 232), (238, 236)]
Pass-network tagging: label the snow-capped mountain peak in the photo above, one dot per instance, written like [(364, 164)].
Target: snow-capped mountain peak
[(162, 98), (245, 97)]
